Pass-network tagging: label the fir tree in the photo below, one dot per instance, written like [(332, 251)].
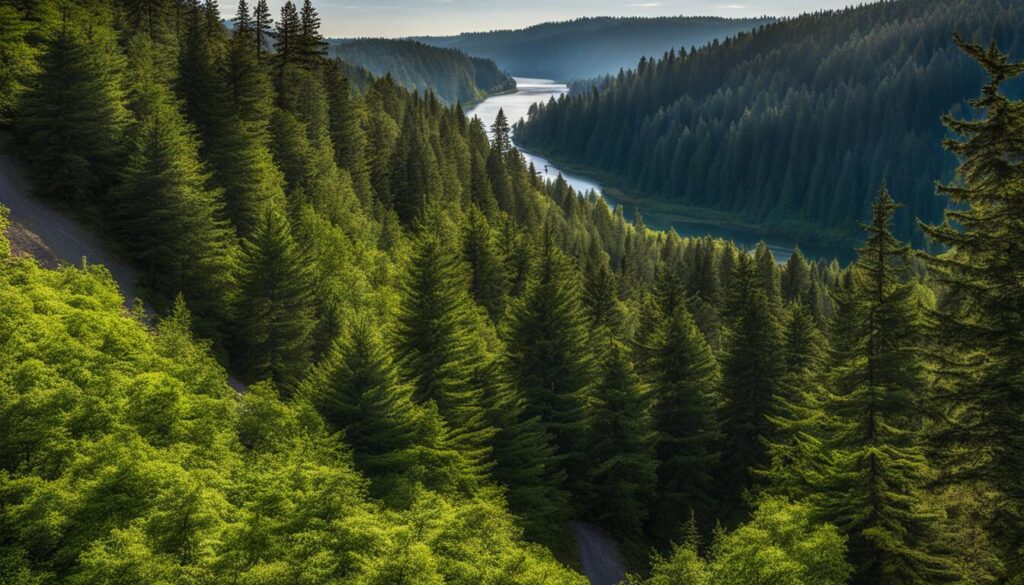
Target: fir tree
[(274, 317), (620, 446), (979, 351), (262, 28), (74, 116), (876, 464), (287, 35), (501, 136), (347, 115), (527, 465), (174, 222), (601, 293), (440, 348), (358, 391), (312, 46), (414, 177), (488, 282), (683, 376), (751, 370), (547, 355)]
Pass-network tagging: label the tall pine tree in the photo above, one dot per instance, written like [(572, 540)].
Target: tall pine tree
[(979, 352), (274, 316), (873, 488)]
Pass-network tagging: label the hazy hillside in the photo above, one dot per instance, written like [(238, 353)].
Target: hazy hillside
[(589, 47), (792, 127), (451, 74)]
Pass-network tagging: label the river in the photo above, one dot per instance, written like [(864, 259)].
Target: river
[(529, 91)]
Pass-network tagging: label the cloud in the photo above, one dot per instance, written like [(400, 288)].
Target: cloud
[(644, 5), (733, 6)]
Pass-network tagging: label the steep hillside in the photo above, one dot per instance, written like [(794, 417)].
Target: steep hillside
[(792, 127), (451, 74), (590, 47)]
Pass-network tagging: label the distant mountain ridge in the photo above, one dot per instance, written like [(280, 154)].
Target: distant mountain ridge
[(794, 127), (449, 73), (591, 47)]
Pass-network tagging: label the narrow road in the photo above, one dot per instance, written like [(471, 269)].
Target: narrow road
[(51, 236), (59, 236), (599, 555)]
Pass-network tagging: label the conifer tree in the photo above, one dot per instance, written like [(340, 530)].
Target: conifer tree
[(347, 115), (796, 277), (414, 177), (547, 355), (287, 36), (501, 135), (74, 116), (358, 391), (601, 293), (527, 465), (274, 316), (262, 28), (440, 347), (876, 466), (312, 46), (979, 352), (479, 187), (620, 445), (243, 19), (683, 376), (795, 445), (488, 282), (751, 370), (175, 224)]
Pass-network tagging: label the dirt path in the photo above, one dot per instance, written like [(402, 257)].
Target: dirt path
[(50, 236), (599, 555)]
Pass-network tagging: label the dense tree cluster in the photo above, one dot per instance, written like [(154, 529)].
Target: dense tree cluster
[(451, 74), (449, 357), (792, 126), (588, 47)]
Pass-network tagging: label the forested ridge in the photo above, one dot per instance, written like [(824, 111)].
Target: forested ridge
[(590, 47), (449, 359), (789, 127), (451, 74)]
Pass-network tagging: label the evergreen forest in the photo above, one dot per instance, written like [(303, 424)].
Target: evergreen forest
[(373, 346), (448, 73), (789, 128)]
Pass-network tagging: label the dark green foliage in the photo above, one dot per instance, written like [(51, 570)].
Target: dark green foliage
[(74, 116), (414, 179), (876, 471), (274, 318), (488, 281), (394, 441), (261, 28), (287, 36), (589, 47), (547, 355), (454, 76), (751, 371), (978, 351), (440, 344), (620, 445), (528, 467), (179, 236), (684, 377), (790, 126)]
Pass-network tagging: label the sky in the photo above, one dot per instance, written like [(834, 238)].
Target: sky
[(399, 18)]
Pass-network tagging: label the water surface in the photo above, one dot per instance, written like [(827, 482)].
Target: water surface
[(530, 91)]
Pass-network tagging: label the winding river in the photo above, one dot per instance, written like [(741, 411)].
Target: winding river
[(529, 91)]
